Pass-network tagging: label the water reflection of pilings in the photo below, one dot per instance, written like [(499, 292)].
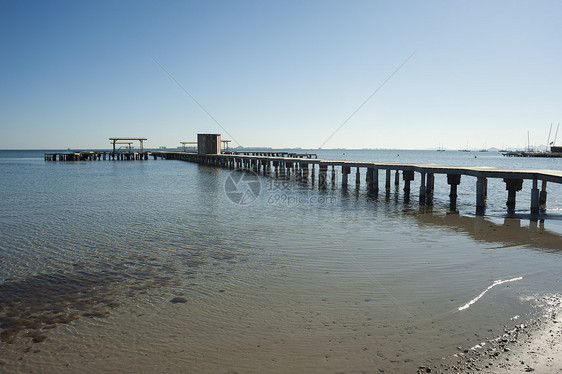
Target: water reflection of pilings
[(509, 233)]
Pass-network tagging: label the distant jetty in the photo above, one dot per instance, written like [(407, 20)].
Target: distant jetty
[(96, 155), (555, 152), (125, 153)]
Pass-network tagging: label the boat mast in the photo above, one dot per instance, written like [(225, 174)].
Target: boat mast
[(556, 135), (549, 131)]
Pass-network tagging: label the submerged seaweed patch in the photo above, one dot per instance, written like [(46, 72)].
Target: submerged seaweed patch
[(30, 307), (44, 301)]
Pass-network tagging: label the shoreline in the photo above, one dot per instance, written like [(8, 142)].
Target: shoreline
[(534, 346)]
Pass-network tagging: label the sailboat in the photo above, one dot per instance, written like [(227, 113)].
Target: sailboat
[(553, 147)]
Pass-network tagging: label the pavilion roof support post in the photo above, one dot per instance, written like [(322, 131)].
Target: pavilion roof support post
[(141, 140), (224, 145), (184, 145)]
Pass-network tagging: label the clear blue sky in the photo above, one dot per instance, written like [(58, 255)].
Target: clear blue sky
[(280, 73)]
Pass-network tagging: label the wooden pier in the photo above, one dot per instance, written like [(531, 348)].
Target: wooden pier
[(304, 168), (116, 154), (96, 155), (533, 154)]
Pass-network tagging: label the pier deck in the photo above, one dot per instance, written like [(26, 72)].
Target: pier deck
[(474, 171)]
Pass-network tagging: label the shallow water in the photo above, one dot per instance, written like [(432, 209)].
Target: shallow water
[(92, 254)]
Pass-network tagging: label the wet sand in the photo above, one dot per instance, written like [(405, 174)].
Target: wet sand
[(535, 346), (531, 347)]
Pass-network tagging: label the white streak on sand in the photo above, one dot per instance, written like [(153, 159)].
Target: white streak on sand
[(486, 290)]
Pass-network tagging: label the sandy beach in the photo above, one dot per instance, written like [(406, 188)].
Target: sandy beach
[(535, 347)]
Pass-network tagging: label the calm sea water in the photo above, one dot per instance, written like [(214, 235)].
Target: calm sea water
[(148, 266)]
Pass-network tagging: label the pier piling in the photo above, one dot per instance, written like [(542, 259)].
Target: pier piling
[(422, 189), (344, 175), (430, 183), (407, 176), (481, 184), (542, 196), (453, 180), (535, 197), (369, 177), (387, 185), (305, 173), (512, 186), (374, 185), (323, 176)]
